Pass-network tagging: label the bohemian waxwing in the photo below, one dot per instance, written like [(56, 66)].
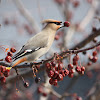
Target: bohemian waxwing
[(38, 45)]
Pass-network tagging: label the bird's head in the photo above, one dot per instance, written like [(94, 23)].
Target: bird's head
[(53, 24)]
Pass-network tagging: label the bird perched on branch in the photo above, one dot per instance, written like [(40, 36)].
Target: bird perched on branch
[(38, 45)]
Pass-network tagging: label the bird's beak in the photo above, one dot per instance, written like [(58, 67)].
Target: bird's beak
[(60, 26)]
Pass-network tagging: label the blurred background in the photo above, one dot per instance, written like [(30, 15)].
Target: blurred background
[(21, 19)]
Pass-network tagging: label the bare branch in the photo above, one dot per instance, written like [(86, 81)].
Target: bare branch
[(26, 14)]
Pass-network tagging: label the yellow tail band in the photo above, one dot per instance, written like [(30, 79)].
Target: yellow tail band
[(8, 68), (18, 62)]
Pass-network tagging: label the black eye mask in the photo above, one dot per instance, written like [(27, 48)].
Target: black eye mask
[(57, 23)]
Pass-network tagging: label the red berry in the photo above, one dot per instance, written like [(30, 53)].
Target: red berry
[(75, 62), (48, 66), (44, 94), (70, 66), (76, 58), (62, 72), (82, 72), (60, 66), (51, 81), (78, 69), (13, 50), (53, 63), (67, 24), (51, 73), (8, 59), (55, 82), (10, 54), (66, 72), (26, 84), (76, 3), (94, 59), (3, 69), (57, 37), (89, 63), (56, 73), (71, 71), (83, 68), (94, 53), (60, 77), (90, 58)]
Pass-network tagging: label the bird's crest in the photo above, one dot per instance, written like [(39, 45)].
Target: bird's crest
[(50, 20)]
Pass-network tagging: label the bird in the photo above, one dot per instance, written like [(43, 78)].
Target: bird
[(37, 45)]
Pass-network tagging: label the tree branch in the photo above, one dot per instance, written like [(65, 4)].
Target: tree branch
[(80, 45), (26, 14)]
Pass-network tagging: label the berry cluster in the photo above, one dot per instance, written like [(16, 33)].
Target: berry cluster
[(56, 70), (3, 73), (41, 91), (8, 58), (94, 57)]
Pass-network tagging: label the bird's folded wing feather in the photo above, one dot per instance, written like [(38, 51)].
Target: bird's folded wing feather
[(31, 46)]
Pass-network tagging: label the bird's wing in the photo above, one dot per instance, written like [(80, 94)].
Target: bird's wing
[(31, 46)]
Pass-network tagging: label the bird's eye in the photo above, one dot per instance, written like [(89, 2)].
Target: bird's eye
[(57, 23)]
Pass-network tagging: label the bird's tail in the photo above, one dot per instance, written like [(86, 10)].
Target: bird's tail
[(16, 62)]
